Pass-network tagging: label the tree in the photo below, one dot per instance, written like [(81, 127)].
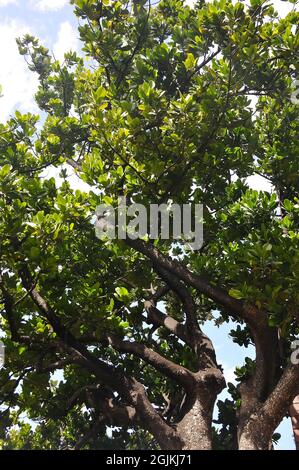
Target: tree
[(159, 109)]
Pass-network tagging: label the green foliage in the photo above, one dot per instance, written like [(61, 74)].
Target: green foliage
[(158, 109)]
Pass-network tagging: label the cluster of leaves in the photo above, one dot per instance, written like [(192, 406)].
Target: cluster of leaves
[(160, 109)]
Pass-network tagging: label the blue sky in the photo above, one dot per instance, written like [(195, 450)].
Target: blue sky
[(55, 24)]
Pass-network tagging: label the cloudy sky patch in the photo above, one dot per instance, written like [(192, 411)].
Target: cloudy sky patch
[(58, 32), (54, 23)]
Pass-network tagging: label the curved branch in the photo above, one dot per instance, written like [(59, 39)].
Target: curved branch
[(217, 294), (182, 292), (265, 338), (176, 372), (128, 387)]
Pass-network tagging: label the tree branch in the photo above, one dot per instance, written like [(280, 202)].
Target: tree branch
[(183, 294), (176, 372), (259, 428), (128, 387), (8, 305), (189, 333), (221, 297), (265, 338)]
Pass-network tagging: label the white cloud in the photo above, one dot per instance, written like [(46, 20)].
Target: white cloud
[(74, 180), (259, 183), (229, 374), (283, 7), (4, 3), (67, 40), (46, 5), (256, 182), (18, 83)]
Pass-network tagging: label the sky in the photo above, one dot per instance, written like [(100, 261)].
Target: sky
[(54, 23)]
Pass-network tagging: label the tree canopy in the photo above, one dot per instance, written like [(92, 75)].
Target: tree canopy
[(170, 102)]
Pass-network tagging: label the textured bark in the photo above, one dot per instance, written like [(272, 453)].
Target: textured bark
[(196, 426), (256, 434), (257, 431), (294, 413), (257, 388), (253, 441), (166, 436)]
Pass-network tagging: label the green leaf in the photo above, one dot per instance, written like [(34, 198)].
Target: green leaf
[(288, 205), (53, 139), (34, 252), (190, 61), (5, 170), (122, 293), (100, 94), (237, 294)]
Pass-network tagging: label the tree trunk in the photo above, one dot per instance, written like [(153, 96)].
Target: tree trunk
[(294, 413), (254, 439), (195, 428), (256, 433)]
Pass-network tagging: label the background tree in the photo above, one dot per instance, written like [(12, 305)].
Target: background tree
[(160, 109)]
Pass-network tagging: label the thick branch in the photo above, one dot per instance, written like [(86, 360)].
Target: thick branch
[(156, 317), (40, 368), (198, 341), (128, 387), (183, 294), (178, 373), (294, 413), (257, 432), (265, 337), (283, 395), (217, 294)]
